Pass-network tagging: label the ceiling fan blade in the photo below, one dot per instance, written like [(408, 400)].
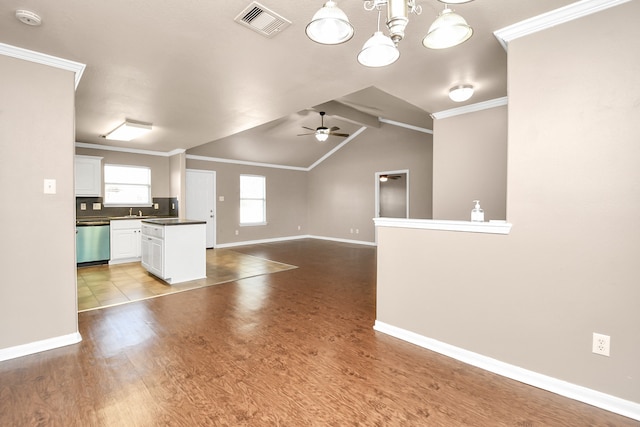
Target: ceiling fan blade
[(338, 134), (304, 127), (305, 134), (334, 128)]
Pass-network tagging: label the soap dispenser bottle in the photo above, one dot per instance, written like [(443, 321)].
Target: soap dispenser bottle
[(477, 214)]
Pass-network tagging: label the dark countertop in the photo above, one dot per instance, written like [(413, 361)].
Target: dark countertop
[(172, 221), (104, 220)]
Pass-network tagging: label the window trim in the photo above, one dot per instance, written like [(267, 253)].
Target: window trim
[(264, 202), (108, 204)]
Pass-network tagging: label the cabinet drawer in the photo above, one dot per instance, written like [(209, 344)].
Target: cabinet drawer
[(153, 231)]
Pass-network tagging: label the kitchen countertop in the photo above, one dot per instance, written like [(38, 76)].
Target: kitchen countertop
[(172, 221), (90, 220)]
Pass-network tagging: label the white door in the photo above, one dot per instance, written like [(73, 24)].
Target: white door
[(201, 200)]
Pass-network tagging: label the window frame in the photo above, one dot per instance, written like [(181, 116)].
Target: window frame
[(263, 199), (134, 204)]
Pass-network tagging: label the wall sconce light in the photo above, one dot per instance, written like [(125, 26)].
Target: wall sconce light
[(128, 130)]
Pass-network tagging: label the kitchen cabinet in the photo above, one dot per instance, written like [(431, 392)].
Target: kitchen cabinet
[(174, 249), (88, 176), (125, 241)]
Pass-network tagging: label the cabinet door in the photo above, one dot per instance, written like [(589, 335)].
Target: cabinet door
[(125, 244), (88, 176)]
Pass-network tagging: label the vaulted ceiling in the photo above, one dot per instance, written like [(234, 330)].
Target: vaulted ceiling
[(217, 88)]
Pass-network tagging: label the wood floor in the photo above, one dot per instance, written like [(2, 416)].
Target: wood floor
[(295, 348)]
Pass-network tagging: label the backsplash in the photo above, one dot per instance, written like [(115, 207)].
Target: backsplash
[(167, 206)]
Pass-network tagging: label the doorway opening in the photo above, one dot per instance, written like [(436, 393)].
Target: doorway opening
[(392, 194)]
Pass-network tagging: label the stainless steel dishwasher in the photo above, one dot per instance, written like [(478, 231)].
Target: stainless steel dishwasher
[(92, 242)]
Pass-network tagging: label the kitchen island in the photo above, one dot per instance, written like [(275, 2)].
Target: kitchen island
[(174, 249)]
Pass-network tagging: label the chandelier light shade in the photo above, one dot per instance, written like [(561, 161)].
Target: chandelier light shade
[(378, 51), (128, 131), (448, 30), (330, 25), (461, 93)]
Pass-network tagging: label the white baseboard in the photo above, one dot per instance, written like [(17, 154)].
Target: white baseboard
[(284, 239), (38, 346), (592, 397), (335, 239)]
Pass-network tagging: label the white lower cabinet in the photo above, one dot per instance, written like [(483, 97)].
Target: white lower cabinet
[(175, 253), (125, 240)]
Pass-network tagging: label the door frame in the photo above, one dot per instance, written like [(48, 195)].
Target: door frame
[(377, 187), (214, 217)]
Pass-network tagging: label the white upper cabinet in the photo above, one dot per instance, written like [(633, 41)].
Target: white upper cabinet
[(88, 176)]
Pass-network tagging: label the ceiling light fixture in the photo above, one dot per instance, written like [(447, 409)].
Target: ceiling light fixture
[(322, 134), (448, 30), (461, 93), (128, 130), (379, 50), (330, 25)]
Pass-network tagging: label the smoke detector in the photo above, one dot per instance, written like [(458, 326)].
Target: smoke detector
[(28, 17)]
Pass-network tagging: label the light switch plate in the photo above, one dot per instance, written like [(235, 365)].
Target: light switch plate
[(221, 199), (83, 206), (49, 186)]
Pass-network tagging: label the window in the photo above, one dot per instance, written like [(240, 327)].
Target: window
[(253, 200), (127, 185)]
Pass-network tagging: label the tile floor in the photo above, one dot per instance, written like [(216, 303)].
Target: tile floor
[(105, 285)]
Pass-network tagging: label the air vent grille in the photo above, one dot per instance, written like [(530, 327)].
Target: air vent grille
[(262, 20)]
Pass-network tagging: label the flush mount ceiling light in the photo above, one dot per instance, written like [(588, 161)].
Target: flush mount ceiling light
[(330, 25), (461, 93), (448, 30), (128, 130)]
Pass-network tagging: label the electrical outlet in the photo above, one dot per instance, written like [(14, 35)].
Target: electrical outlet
[(97, 207), (601, 344), (83, 206), (237, 232), (156, 206)]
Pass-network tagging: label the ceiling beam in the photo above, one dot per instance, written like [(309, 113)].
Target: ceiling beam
[(349, 114)]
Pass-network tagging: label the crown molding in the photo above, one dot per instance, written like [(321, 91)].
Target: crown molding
[(405, 125), (42, 58), (550, 19), (129, 150), (493, 103)]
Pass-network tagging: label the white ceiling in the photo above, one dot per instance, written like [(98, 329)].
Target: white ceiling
[(217, 88)]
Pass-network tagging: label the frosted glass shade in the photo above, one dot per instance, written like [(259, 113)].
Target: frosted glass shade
[(448, 30), (329, 25), (378, 51)]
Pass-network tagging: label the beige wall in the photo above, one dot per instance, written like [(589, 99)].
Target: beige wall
[(286, 202), (342, 188), (38, 287), (470, 163), (570, 265), (160, 171)]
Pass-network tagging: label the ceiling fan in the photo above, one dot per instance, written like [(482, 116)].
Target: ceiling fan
[(322, 133)]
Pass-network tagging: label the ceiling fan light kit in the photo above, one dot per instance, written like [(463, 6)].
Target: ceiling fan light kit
[(322, 132)]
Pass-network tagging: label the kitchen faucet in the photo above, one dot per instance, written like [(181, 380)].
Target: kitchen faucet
[(139, 213), (130, 209)]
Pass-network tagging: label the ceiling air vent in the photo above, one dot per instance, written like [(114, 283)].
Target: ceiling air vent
[(262, 20)]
